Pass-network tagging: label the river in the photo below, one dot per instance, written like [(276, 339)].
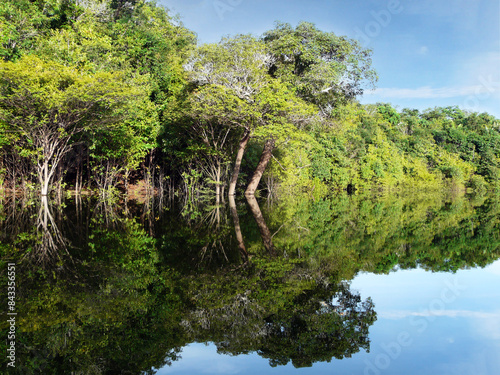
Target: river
[(347, 284)]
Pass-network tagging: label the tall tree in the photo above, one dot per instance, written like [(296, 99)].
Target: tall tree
[(235, 91), (235, 71), (48, 104), (325, 68)]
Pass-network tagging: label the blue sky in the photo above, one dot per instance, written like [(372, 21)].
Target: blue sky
[(427, 52)]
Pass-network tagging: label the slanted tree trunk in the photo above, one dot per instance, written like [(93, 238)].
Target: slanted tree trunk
[(261, 167), (237, 229), (237, 163), (265, 233)]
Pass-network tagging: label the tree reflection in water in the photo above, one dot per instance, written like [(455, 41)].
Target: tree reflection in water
[(148, 281), (237, 230), (50, 242), (265, 233)]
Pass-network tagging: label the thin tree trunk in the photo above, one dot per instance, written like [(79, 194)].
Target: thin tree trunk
[(80, 170), (151, 174), (217, 180), (237, 229), (237, 164), (77, 180), (261, 167), (125, 179), (44, 178), (59, 183), (265, 233)]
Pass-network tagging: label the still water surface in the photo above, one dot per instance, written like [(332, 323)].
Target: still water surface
[(446, 324), (338, 285)]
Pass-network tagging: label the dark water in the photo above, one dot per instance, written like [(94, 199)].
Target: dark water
[(338, 285)]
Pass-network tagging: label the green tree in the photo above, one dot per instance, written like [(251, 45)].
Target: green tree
[(48, 104), (23, 22), (236, 92), (325, 68), (143, 42)]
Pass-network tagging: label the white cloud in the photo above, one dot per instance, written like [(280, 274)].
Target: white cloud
[(488, 87), (423, 50), (483, 324), (401, 314)]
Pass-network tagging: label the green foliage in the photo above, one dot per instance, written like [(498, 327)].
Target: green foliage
[(183, 108), (389, 114), (37, 94), (478, 184), (24, 22), (377, 147), (48, 104), (325, 68)]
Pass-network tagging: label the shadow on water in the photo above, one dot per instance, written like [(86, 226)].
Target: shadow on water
[(122, 288)]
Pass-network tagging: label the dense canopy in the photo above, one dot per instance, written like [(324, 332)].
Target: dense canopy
[(102, 95)]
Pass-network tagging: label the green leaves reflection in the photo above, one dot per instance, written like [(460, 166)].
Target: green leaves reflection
[(437, 232), (136, 285)]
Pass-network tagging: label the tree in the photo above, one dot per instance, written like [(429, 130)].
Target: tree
[(237, 93), (325, 68), (235, 70), (215, 114), (22, 22), (48, 104), (281, 113), (145, 44)]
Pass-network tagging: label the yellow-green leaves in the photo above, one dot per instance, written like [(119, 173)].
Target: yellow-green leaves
[(34, 86), (47, 104)]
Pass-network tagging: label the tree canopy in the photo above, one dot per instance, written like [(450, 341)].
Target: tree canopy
[(277, 112), (48, 104), (325, 68)]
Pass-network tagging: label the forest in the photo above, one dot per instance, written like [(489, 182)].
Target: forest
[(119, 131), (112, 96)]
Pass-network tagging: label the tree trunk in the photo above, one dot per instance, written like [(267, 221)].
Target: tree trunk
[(217, 180), (44, 178), (237, 164), (261, 167), (237, 229), (265, 233), (77, 180)]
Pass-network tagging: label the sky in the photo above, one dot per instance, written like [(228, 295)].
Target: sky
[(427, 52)]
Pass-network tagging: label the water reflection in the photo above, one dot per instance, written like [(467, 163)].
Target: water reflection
[(261, 223), (50, 242), (148, 279), (237, 229)]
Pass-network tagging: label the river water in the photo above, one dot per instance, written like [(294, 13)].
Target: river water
[(428, 323), (362, 284)]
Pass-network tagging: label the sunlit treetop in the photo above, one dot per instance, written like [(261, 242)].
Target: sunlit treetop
[(325, 68)]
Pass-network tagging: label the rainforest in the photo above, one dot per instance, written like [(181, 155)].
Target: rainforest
[(172, 206), (103, 97)]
